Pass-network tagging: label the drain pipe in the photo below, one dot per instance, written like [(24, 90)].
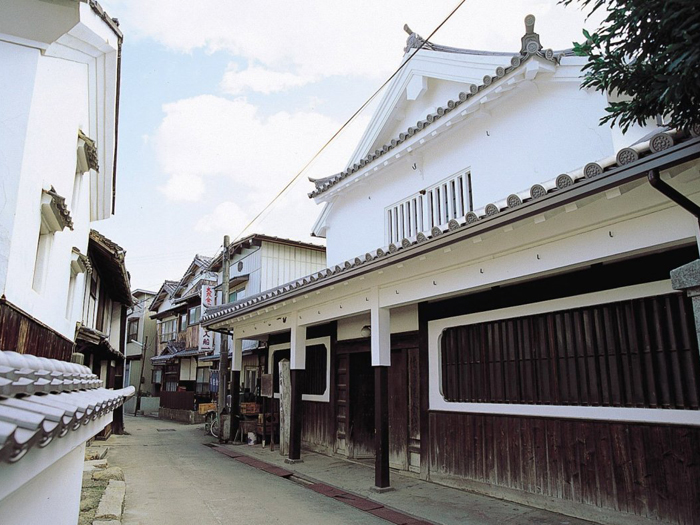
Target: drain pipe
[(673, 194)]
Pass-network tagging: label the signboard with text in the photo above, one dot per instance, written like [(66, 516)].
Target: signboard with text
[(208, 296)]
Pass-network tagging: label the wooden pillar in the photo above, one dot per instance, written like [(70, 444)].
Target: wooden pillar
[(297, 367), (381, 361), (381, 428), (236, 363)]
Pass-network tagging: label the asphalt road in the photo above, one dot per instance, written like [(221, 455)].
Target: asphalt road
[(173, 479)]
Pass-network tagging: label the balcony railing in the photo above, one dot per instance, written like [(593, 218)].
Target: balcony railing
[(434, 206)]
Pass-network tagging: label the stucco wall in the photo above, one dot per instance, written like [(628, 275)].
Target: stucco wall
[(59, 107), (532, 134)]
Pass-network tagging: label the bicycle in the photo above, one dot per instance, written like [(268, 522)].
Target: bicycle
[(211, 423)]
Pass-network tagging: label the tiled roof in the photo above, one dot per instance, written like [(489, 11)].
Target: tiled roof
[(45, 399), (60, 209), (530, 47), (254, 239), (111, 266), (561, 184)]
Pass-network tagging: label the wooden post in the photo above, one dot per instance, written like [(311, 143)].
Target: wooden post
[(144, 356), (381, 428), (297, 381), (285, 406), (236, 365), (224, 415)]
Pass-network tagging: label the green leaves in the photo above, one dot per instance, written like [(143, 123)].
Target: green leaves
[(647, 53)]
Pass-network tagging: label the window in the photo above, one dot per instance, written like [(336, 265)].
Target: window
[(41, 262), (250, 377), (434, 206), (194, 314), (157, 375), (132, 330), (168, 330), (236, 295), (172, 376), (183, 322), (202, 385), (317, 373), (625, 354)]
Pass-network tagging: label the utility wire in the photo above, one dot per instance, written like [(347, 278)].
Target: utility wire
[(352, 117)]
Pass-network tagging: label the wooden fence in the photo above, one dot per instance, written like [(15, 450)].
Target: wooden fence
[(177, 400)]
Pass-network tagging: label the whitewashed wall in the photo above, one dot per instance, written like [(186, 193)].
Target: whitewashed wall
[(59, 107), (532, 134)]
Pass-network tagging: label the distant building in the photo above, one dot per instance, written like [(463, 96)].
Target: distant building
[(141, 345)]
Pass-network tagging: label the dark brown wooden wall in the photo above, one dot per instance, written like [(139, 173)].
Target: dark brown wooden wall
[(635, 353), (644, 470), (20, 333)]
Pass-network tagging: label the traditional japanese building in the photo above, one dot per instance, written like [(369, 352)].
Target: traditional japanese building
[(505, 305)]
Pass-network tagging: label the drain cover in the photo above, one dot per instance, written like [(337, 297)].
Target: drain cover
[(165, 430)]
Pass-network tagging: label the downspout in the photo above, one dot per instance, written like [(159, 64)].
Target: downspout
[(673, 194)]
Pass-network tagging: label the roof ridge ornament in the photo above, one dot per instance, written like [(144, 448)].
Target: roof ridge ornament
[(530, 40), (415, 41)]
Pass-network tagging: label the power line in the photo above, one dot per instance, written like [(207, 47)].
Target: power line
[(352, 117)]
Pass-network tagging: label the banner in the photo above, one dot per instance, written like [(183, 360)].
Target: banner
[(206, 339), (208, 296)]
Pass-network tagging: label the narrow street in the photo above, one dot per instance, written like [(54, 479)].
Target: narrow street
[(173, 479)]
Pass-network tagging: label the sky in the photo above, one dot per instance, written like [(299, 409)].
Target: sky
[(223, 102)]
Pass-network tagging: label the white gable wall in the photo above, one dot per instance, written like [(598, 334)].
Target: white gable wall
[(542, 129)]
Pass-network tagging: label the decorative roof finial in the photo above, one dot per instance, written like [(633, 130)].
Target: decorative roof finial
[(530, 40), (414, 40)]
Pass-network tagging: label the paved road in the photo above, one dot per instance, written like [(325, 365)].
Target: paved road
[(172, 479)]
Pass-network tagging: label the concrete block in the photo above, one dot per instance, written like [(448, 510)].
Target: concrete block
[(93, 453), (96, 464), (108, 474), (112, 501)]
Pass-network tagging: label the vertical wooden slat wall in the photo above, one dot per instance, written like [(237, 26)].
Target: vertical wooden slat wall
[(637, 353), (20, 333)]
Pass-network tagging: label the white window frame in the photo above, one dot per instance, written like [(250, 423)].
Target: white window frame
[(642, 415), (325, 341)]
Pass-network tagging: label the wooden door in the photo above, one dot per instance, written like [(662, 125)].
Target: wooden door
[(361, 396), (404, 410), (342, 379)]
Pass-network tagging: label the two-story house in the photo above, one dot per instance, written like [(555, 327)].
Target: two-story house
[(141, 344), (100, 336), (498, 313), (260, 262), (59, 105), (182, 382)]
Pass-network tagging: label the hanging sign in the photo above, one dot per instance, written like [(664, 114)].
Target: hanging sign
[(205, 339), (208, 296)]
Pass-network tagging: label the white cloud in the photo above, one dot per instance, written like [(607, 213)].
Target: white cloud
[(260, 80), (317, 38), (182, 187), (226, 217)]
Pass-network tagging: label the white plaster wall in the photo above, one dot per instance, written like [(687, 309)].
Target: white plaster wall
[(59, 107), (51, 497), (15, 101), (543, 128), (403, 319)]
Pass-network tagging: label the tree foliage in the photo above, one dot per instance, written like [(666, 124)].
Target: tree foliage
[(648, 52)]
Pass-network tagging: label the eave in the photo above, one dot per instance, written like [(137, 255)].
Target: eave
[(596, 181)]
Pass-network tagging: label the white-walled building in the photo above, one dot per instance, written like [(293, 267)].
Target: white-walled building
[(59, 100), (498, 313)]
